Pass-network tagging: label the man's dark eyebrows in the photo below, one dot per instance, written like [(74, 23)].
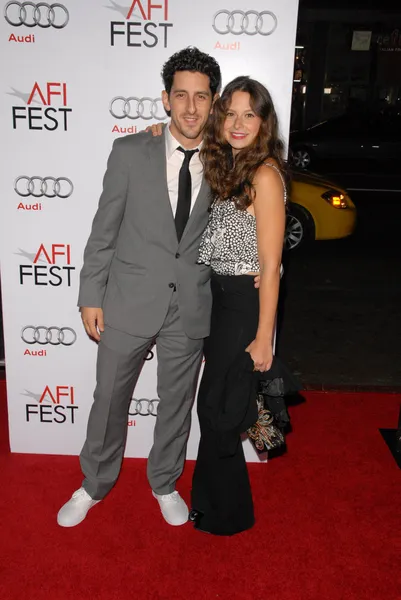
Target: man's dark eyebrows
[(206, 93)]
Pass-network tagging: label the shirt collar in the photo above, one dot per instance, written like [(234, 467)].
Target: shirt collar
[(172, 144)]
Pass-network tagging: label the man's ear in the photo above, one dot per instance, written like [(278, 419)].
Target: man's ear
[(215, 97), (166, 102)]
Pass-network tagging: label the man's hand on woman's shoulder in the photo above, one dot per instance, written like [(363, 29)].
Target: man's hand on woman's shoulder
[(156, 129)]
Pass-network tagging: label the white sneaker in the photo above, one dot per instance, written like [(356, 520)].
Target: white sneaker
[(173, 507), (76, 509)]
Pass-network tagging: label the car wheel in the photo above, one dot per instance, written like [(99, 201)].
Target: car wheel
[(300, 228), (302, 158)]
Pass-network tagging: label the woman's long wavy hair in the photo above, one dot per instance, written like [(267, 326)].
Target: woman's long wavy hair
[(229, 178)]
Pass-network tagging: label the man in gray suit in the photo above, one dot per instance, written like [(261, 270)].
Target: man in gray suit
[(141, 284)]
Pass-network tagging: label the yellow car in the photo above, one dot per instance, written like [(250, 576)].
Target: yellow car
[(318, 210)]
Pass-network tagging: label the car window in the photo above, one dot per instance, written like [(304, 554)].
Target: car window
[(378, 124), (385, 125), (339, 126)]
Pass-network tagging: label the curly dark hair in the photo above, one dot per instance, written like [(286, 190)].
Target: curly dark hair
[(191, 59), (229, 178)]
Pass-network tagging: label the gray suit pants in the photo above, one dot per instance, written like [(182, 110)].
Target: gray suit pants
[(120, 359)]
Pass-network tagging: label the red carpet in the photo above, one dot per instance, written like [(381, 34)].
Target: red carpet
[(328, 522)]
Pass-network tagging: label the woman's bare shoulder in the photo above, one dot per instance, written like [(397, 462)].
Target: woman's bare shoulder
[(268, 172), (270, 162)]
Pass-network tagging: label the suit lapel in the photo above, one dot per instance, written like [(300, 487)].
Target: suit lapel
[(157, 154)]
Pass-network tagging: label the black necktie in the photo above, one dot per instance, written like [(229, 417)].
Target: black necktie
[(184, 193)]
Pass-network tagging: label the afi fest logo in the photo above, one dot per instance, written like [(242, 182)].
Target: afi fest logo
[(133, 108), (41, 187), (45, 107), (34, 15), (52, 405), (239, 22), (51, 265), (146, 24)]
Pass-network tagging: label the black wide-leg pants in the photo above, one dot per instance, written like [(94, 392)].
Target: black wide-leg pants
[(221, 493)]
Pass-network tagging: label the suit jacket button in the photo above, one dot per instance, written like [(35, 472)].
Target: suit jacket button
[(177, 255), (171, 285)]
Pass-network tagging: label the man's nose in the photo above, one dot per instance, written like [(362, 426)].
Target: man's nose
[(191, 108)]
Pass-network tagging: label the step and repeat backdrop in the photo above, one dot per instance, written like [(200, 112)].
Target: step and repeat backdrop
[(76, 75)]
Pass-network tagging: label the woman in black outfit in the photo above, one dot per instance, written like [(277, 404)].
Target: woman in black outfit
[(242, 156)]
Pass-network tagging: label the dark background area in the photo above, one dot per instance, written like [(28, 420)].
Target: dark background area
[(340, 320), (340, 315), (341, 300), (330, 77)]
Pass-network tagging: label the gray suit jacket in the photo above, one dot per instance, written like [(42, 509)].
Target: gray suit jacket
[(133, 261)]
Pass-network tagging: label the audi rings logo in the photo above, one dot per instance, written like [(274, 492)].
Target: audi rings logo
[(55, 336), (249, 22), (143, 407), (40, 14), (137, 108), (50, 187)]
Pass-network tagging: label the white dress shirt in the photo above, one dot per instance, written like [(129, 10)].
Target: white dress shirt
[(175, 158)]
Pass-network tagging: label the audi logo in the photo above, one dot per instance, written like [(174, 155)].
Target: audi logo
[(41, 14), (43, 186), (143, 407), (250, 22), (55, 336), (137, 108)]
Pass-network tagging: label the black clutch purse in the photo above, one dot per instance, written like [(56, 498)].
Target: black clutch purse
[(267, 433)]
